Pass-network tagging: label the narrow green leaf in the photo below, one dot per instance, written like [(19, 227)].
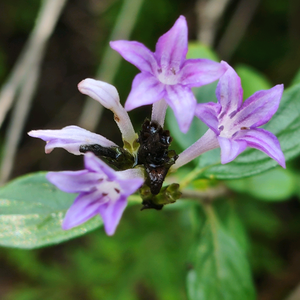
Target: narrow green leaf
[(220, 270), (31, 213)]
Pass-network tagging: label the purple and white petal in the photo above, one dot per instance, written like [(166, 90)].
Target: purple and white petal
[(229, 91), (206, 143), (130, 186), (230, 149), (137, 54), (111, 213), (258, 109), (208, 114), (264, 141), (95, 164), (198, 72), (146, 89), (70, 138), (183, 102), (85, 207), (75, 181), (171, 48), (100, 91)]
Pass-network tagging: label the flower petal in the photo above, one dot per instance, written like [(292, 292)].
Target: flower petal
[(264, 141), (100, 91), (198, 72), (74, 181), (85, 207), (111, 214), (137, 54), (130, 186), (229, 91), (258, 109), (70, 138), (171, 48), (230, 149), (146, 89), (208, 114), (95, 164), (183, 102)]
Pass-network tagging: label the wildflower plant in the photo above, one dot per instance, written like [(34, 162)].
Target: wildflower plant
[(149, 170)]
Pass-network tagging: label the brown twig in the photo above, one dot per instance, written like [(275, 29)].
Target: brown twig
[(209, 13), (236, 28), (24, 77)]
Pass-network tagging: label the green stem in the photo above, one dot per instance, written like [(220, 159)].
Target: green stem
[(191, 176)]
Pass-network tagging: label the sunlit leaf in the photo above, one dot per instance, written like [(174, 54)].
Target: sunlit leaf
[(32, 211)]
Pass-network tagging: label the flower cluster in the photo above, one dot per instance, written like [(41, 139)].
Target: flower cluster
[(143, 162)]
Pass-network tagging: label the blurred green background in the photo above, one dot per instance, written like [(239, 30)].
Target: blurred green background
[(148, 257)]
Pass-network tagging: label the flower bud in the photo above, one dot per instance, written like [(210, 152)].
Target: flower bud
[(101, 91)]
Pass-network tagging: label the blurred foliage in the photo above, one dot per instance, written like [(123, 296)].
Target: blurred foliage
[(149, 264), (150, 254)]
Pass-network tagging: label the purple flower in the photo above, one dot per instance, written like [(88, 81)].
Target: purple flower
[(167, 74), (101, 191), (234, 124), (72, 137)]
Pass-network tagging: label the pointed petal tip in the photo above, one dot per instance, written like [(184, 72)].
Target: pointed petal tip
[(109, 231), (281, 161), (129, 106), (34, 133), (184, 128), (65, 226)]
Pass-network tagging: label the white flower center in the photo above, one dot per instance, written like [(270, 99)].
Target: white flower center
[(167, 76), (227, 128), (110, 190)]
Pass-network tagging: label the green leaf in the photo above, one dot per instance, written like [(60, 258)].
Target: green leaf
[(252, 80), (198, 50), (285, 125), (220, 270), (31, 213), (227, 212), (275, 185)]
